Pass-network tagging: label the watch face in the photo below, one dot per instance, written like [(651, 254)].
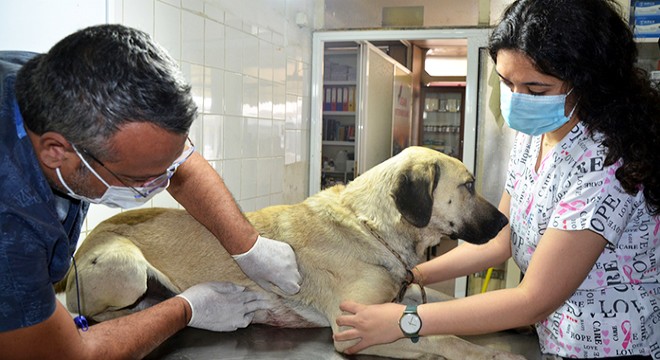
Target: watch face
[(410, 323)]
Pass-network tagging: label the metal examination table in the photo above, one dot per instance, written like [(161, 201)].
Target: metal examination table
[(265, 342)]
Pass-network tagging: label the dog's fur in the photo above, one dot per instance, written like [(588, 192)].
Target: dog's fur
[(411, 201)]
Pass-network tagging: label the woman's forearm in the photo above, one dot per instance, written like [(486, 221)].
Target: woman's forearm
[(464, 260), (479, 314)]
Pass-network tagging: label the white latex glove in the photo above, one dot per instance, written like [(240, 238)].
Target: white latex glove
[(271, 263), (222, 306)]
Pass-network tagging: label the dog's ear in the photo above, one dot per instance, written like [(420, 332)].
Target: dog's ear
[(413, 194)]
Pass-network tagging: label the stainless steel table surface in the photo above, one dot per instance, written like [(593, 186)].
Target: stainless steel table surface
[(265, 342)]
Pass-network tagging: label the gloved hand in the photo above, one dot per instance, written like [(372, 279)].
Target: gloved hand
[(271, 262), (222, 306)]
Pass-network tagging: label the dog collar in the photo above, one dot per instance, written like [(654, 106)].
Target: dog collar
[(410, 277)]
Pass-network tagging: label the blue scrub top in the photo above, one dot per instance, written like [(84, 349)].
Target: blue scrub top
[(36, 245)]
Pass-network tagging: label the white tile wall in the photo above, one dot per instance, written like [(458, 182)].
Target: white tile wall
[(212, 141), (248, 65), (192, 38), (139, 14), (214, 89), (250, 96), (167, 28)]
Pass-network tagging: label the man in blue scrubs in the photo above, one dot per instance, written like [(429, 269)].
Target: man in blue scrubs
[(103, 118)]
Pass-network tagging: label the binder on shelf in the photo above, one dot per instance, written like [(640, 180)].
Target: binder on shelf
[(351, 133), (339, 98), (327, 99), (327, 124), (351, 98), (333, 100)]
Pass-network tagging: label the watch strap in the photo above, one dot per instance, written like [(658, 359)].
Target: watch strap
[(412, 309)]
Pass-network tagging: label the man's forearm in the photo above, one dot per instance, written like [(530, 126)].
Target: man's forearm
[(136, 335), (203, 193)]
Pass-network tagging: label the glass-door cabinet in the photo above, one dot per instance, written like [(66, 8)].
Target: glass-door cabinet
[(442, 122), (340, 91)]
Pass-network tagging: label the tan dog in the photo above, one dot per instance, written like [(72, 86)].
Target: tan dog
[(344, 239)]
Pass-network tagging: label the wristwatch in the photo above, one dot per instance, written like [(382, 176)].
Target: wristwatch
[(410, 323)]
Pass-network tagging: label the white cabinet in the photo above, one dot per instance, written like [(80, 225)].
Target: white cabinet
[(339, 115), (357, 111)]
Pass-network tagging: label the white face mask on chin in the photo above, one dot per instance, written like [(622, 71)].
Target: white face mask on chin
[(114, 196)]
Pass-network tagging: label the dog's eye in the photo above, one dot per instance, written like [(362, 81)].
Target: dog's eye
[(470, 186)]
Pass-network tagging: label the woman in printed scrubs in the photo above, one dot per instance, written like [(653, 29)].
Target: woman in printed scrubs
[(582, 196)]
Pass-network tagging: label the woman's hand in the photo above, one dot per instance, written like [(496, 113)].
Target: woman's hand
[(373, 324)]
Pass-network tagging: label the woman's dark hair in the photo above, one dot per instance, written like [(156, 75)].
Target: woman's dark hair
[(96, 80), (588, 44)]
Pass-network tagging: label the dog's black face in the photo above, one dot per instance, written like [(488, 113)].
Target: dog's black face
[(438, 193), (483, 222)]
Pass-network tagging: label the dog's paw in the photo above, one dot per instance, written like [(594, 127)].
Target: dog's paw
[(506, 356)]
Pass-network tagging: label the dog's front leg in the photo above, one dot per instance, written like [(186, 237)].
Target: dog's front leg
[(413, 295), (428, 347), (448, 347)]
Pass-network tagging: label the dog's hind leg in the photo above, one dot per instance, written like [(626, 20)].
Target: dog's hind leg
[(114, 279)]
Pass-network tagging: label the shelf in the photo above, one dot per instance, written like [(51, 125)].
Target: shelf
[(440, 148), (443, 112), (338, 143), (339, 113), (336, 172), (339, 82), (646, 39), (441, 129)]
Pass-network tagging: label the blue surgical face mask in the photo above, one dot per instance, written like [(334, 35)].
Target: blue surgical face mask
[(533, 114)]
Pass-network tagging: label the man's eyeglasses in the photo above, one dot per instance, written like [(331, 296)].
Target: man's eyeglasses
[(156, 183)]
